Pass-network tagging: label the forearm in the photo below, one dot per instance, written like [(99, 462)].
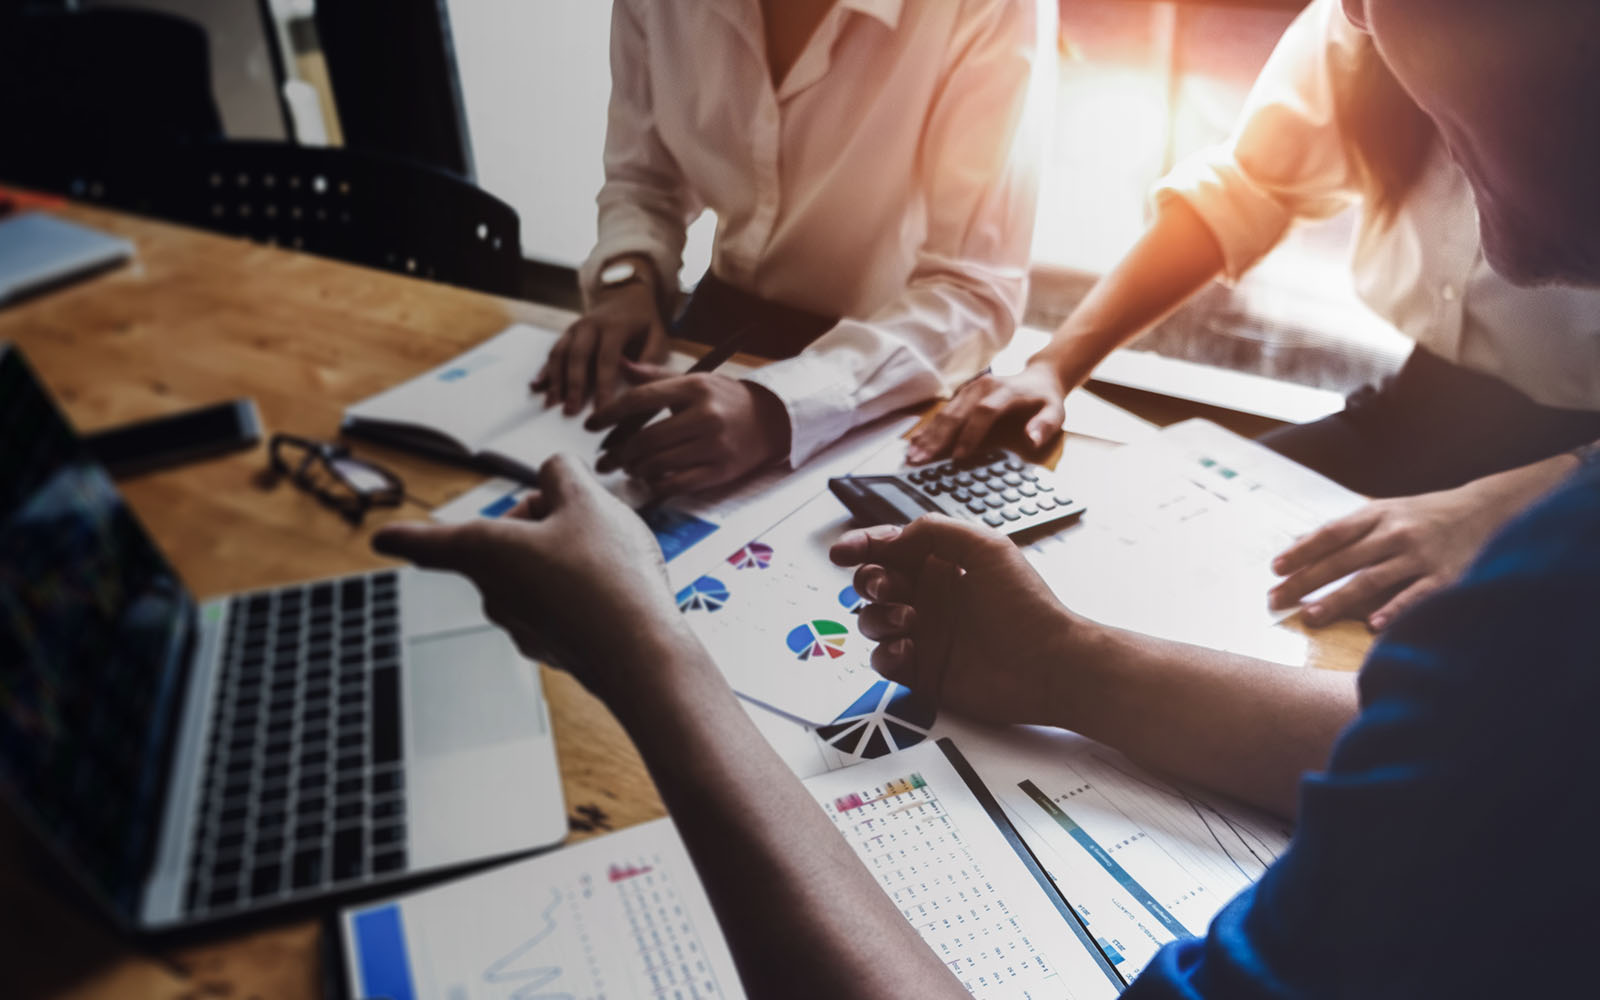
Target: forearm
[(1240, 726), (1516, 489), (772, 864), (1176, 257)]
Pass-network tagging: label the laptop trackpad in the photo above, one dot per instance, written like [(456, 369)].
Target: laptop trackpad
[(471, 689)]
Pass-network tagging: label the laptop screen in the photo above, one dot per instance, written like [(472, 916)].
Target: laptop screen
[(93, 623)]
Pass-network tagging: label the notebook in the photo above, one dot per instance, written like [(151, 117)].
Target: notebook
[(38, 251), (477, 408)]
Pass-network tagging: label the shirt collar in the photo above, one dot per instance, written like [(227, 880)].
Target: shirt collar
[(887, 11)]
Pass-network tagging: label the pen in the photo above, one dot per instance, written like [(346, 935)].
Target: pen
[(710, 360)]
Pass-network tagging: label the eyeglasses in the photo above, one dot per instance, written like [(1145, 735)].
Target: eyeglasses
[(339, 480)]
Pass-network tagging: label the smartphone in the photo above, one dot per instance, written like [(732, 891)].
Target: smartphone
[(177, 438)]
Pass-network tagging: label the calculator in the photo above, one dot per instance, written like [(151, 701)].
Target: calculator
[(999, 489)]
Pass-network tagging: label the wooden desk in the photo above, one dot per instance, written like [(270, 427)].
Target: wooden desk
[(200, 318)]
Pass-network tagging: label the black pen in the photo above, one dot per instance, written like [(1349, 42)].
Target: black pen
[(710, 360)]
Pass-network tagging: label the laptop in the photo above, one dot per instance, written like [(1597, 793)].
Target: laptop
[(190, 761), (38, 252)]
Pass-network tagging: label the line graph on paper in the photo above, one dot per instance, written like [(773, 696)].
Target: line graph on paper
[(632, 908), (1143, 861), (908, 841)]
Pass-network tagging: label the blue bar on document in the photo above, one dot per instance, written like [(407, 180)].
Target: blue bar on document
[(502, 505), (381, 954)]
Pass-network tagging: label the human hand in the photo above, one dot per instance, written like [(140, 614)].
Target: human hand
[(589, 354), (719, 429), (1035, 393), (961, 618), (1401, 550), (558, 573)]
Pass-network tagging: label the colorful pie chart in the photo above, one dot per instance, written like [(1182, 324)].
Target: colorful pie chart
[(851, 601), (705, 594), (886, 718), (819, 638), (756, 555)]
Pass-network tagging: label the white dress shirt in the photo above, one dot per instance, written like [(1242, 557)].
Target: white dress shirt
[(886, 180), (1423, 271)]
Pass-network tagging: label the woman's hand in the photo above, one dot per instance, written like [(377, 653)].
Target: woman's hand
[(1403, 549), (719, 429), (961, 618), (587, 360), (1036, 394), (560, 573)]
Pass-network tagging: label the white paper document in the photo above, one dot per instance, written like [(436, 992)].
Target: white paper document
[(1180, 534), (624, 916)]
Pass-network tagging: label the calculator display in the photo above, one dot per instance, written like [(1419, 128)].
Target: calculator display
[(902, 497)]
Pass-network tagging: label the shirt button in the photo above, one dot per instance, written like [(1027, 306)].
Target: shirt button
[(1448, 293)]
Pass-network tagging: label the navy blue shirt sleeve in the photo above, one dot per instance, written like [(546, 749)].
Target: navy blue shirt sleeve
[(1452, 847)]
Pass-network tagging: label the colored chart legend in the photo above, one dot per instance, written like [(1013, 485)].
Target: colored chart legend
[(705, 594), (621, 873), (756, 555), (897, 787), (817, 639)]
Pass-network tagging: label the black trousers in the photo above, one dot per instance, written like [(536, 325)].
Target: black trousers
[(1433, 426), (717, 309)]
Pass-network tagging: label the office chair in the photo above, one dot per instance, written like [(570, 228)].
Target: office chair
[(356, 206), (87, 97)]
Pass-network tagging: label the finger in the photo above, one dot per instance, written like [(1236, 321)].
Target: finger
[(579, 360), (661, 435), (852, 547), (1365, 591), (1326, 540), (1369, 551), (555, 366), (701, 477), (982, 419), (885, 586), (896, 660), (640, 372), (954, 541), (1046, 424), (655, 349), (607, 366), (669, 393), (1403, 601), (564, 480), (883, 622), (935, 438), (431, 546), (532, 507), (651, 468)]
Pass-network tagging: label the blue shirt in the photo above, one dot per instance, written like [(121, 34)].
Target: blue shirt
[(1452, 847)]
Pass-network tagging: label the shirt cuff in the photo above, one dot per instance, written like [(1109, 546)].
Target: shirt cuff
[(1246, 221), (639, 239), (817, 400)]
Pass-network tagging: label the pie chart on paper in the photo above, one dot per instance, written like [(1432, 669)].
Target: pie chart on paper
[(818, 639), (705, 594), (883, 720), (756, 555)]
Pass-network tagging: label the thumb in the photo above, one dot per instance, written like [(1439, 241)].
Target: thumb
[(564, 480), (431, 546), (1045, 424)]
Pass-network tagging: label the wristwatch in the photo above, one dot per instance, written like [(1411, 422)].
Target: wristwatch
[(619, 273)]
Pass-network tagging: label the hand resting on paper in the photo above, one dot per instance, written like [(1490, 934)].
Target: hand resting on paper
[(1403, 549), (1036, 394), (718, 429), (586, 362)]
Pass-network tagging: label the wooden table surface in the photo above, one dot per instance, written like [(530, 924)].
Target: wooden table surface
[(198, 318)]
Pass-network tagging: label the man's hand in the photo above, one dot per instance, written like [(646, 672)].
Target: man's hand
[(587, 359), (1404, 549), (1036, 394), (719, 429), (558, 573), (961, 618)]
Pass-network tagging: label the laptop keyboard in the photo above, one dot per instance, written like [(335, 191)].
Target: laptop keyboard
[(304, 784)]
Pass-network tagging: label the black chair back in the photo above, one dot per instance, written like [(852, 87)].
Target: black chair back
[(83, 95), (360, 207)]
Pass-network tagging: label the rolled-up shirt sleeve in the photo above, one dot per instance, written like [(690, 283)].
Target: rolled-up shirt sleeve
[(1287, 158), (645, 204), (968, 284)]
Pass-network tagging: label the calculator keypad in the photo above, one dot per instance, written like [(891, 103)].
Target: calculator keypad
[(998, 489)]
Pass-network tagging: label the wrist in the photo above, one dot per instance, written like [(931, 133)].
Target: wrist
[(651, 667), (1071, 358), (772, 422), (630, 273)]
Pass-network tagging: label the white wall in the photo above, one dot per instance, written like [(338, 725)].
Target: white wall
[(535, 78)]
